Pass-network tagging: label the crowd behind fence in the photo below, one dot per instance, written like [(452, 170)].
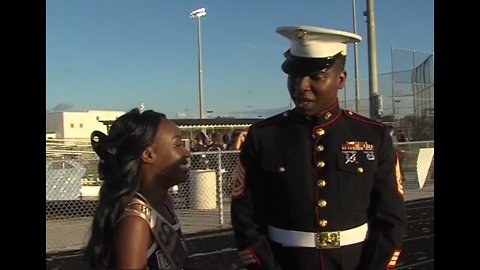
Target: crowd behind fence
[(202, 202)]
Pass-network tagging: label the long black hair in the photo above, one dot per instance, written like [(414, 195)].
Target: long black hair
[(118, 167)]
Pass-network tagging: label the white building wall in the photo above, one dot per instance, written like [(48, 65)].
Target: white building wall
[(96, 116), (51, 135), (79, 125), (106, 115), (54, 124)]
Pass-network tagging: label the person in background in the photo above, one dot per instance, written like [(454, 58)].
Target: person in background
[(317, 187), (201, 143), (200, 161), (135, 225), (217, 143), (399, 149), (226, 140), (391, 131), (237, 139)]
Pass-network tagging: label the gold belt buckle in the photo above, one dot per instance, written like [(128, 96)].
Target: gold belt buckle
[(327, 239)]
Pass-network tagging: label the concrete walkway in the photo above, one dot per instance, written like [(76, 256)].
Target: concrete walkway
[(413, 190)]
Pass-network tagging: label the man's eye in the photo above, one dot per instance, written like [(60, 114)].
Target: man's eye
[(318, 77)]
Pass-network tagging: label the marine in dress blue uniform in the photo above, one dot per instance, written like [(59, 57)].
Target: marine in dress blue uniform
[(318, 187)]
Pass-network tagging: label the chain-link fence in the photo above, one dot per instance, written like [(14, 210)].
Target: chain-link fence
[(202, 202), (408, 153), (407, 94)]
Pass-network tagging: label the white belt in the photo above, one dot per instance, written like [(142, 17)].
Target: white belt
[(333, 239)]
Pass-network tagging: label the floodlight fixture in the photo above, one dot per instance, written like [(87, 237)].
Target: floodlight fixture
[(198, 13)]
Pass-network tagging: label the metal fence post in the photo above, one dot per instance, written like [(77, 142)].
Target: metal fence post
[(220, 187)]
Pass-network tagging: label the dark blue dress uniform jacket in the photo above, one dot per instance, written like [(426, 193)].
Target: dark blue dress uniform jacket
[(290, 162)]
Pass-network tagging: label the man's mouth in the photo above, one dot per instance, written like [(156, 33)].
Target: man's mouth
[(302, 102), (184, 167)]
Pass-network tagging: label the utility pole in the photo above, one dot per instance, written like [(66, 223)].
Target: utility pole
[(376, 104), (355, 55)]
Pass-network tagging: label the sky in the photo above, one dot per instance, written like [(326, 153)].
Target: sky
[(115, 54)]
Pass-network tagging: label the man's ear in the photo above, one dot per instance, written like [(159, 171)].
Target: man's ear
[(148, 155), (342, 78)]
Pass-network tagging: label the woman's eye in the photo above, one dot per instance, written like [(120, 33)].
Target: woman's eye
[(178, 144)]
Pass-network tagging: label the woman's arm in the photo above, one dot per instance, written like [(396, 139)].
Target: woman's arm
[(131, 244)]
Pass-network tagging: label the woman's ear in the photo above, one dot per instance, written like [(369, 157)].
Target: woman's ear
[(148, 155)]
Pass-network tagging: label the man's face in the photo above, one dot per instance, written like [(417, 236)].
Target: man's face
[(312, 93)]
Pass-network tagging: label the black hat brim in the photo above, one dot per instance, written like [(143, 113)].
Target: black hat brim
[(294, 65)]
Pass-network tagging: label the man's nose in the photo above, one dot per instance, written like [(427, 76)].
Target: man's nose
[(302, 84)]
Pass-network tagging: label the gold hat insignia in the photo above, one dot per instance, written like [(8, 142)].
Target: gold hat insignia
[(301, 33)]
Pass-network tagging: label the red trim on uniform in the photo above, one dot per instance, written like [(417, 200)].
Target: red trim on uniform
[(394, 259), (354, 116), (331, 121), (248, 257), (334, 108), (239, 181), (322, 266), (257, 261), (398, 175), (329, 108)]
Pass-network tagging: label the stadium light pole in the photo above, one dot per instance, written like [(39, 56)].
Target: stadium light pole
[(355, 54), (197, 14)]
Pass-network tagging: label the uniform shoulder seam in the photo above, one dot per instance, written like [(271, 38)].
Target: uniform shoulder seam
[(271, 120), (361, 118)]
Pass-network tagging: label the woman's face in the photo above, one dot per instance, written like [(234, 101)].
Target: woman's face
[(242, 136), (171, 156)]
